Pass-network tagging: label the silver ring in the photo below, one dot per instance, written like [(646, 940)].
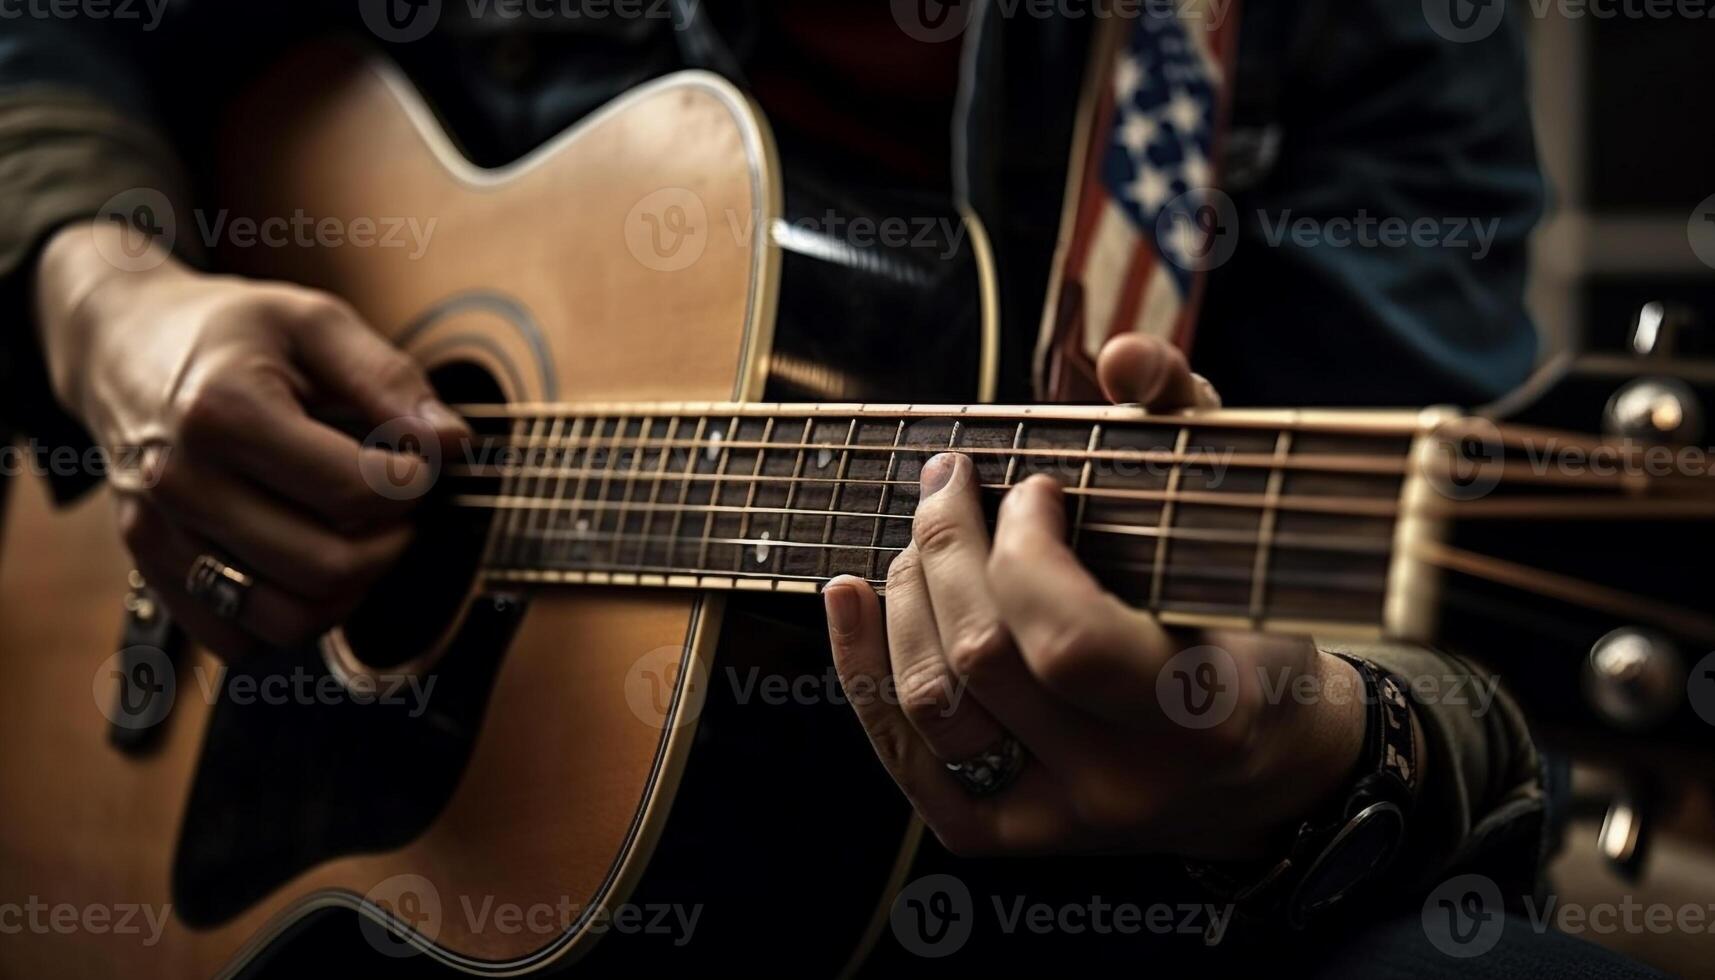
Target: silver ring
[(991, 771), (219, 585)]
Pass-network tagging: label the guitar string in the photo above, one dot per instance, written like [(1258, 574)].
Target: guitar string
[(1514, 472)]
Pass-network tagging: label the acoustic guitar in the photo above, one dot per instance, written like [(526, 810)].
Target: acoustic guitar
[(548, 742)]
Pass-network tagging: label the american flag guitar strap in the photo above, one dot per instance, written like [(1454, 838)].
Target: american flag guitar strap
[(1143, 220)]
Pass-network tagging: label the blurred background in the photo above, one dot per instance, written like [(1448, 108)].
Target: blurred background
[(1625, 117)]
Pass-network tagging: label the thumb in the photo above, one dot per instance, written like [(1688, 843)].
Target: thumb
[(355, 366), (1153, 373)]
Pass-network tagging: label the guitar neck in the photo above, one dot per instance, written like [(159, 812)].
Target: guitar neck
[(1272, 520)]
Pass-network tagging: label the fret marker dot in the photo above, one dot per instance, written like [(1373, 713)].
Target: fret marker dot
[(823, 458), (583, 525), (713, 453), (762, 550)]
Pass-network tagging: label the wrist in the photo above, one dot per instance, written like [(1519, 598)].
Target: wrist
[(1309, 755), (76, 288)]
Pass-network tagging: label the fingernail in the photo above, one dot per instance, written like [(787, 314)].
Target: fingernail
[(936, 473), (440, 416), (841, 603), (1209, 395)]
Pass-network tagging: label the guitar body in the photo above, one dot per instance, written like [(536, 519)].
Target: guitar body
[(569, 760)]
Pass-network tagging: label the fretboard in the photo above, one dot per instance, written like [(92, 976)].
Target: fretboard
[(1265, 520)]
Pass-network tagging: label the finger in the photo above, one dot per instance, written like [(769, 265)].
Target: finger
[(1078, 639), (1138, 368), (261, 430), (932, 698), (269, 539), (165, 554), (1030, 815), (951, 536), (349, 362)]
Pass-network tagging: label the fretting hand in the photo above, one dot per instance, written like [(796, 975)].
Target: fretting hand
[(1005, 651)]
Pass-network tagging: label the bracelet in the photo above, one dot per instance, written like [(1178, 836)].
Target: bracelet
[(1349, 844)]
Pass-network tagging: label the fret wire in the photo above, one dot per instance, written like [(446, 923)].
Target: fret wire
[(1011, 479), (655, 491), (560, 482), (1156, 585), (685, 490), (750, 495), (837, 495), (792, 495), (543, 484), (631, 482), (510, 549), (533, 488), (576, 520), (1266, 530), (886, 494), (1084, 484), (721, 466), (608, 471)]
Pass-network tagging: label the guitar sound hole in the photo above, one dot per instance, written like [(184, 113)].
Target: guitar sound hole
[(414, 607)]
